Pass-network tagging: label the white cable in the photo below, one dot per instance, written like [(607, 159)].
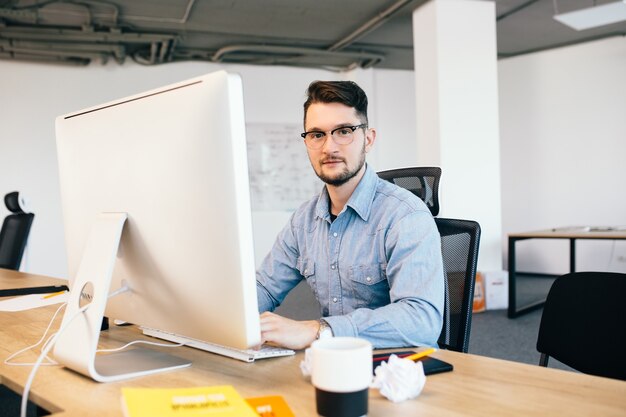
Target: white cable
[(51, 362), (43, 354), (50, 343), (7, 360), (140, 341), (121, 290)]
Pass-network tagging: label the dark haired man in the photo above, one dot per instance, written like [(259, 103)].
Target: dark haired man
[(369, 250)]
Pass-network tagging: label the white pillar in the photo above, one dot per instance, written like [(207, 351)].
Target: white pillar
[(456, 84)]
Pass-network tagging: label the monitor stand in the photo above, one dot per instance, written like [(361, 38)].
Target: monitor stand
[(76, 345)]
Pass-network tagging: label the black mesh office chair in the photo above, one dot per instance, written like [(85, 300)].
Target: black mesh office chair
[(14, 233), (421, 181), (460, 240), (583, 323)]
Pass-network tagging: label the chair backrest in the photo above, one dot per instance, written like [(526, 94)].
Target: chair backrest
[(14, 233), (421, 181), (583, 323), (460, 240)]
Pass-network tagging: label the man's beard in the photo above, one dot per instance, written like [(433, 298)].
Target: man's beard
[(346, 175)]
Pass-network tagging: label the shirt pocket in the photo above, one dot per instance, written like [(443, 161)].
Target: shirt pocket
[(369, 286), (307, 270)]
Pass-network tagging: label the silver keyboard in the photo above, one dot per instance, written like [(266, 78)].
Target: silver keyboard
[(245, 355)]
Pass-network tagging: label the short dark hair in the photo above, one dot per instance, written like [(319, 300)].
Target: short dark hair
[(344, 92)]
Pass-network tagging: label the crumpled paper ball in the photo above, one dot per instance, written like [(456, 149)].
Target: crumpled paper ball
[(399, 379)]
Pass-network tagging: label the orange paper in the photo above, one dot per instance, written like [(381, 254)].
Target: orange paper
[(273, 406)]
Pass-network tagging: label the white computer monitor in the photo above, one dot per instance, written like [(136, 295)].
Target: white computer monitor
[(167, 169)]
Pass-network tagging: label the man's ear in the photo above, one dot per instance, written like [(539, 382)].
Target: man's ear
[(370, 138)]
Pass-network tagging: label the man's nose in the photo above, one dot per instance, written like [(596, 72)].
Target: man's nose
[(329, 145)]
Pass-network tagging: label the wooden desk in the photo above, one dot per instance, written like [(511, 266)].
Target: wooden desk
[(572, 234), (478, 386)]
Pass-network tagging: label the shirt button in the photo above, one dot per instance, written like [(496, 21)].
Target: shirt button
[(332, 266), (306, 271), (334, 299), (368, 279), (335, 234)]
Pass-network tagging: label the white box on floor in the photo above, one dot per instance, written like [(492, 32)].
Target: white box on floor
[(496, 289)]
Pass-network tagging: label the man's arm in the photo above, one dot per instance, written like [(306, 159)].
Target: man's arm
[(278, 273), (277, 276), (416, 281)]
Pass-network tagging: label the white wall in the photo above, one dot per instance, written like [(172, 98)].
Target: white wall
[(33, 95), (563, 139), (563, 145)]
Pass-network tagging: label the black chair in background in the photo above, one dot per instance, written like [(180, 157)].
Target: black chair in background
[(583, 323), (460, 240), (14, 233), (421, 181)]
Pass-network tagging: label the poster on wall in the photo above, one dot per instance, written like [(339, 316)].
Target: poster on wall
[(281, 177)]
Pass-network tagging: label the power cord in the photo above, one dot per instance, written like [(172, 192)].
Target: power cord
[(52, 340), (7, 361), (50, 343), (41, 357), (134, 342)]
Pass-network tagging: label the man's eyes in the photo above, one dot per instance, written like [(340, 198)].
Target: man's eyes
[(316, 135), (343, 131)]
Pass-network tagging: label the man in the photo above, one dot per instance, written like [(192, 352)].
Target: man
[(369, 250)]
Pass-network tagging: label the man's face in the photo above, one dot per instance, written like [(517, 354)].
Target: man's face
[(337, 164)]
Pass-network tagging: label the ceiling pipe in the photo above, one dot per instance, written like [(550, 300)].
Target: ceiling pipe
[(79, 41), (515, 10), (33, 40), (35, 33), (162, 46), (47, 59), (369, 26), (21, 15), (370, 58), (117, 50), (366, 59), (56, 53)]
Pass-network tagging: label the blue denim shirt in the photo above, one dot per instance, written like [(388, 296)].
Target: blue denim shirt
[(376, 270)]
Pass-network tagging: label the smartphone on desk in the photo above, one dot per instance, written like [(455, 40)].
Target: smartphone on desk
[(431, 365)]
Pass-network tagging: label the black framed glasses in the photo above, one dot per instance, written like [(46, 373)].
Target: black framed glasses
[(343, 135)]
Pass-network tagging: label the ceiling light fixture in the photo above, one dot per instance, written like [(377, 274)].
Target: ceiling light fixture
[(593, 17)]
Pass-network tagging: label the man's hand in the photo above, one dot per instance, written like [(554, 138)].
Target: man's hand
[(292, 334)]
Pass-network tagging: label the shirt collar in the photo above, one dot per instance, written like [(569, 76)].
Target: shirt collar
[(360, 201)]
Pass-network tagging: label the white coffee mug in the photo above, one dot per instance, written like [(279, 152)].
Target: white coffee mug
[(341, 372)]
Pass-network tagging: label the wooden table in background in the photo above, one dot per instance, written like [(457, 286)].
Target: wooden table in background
[(478, 386), (570, 233)]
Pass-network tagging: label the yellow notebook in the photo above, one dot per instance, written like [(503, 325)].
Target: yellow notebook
[(272, 406), (217, 401)]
